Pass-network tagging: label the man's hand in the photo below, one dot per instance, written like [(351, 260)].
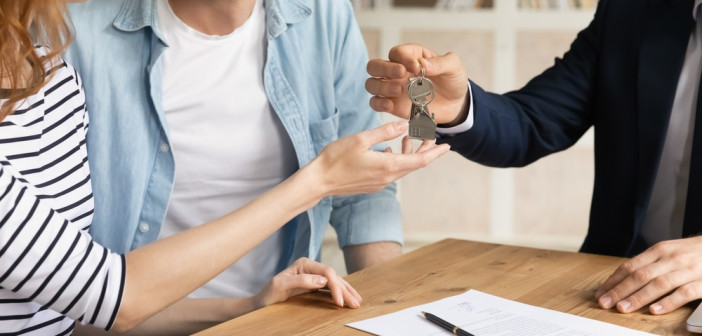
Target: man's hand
[(670, 268), (388, 82), (303, 276)]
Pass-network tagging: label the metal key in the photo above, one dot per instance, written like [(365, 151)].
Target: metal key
[(420, 90), (421, 93)]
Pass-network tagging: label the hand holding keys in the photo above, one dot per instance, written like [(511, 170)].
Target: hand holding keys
[(421, 93)]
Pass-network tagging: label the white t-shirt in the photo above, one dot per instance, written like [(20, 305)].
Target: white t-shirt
[(229, 145)]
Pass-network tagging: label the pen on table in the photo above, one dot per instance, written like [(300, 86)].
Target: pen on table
[(446, 325)]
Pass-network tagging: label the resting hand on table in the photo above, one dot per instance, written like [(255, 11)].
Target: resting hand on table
[(670, 270), (304, 276), (388, 82)]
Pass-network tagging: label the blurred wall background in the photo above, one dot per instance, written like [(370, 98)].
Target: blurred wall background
[(502, 44)]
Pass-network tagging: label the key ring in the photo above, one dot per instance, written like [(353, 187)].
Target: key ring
[(423, 73), (421, 81)]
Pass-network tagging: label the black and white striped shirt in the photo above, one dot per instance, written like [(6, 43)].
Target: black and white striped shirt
[(51, 271)]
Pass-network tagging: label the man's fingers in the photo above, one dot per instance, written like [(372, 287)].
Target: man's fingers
[(684, 294), (409, 55), (442, 65), (386, 69), (385, 88), (647, 257), (636, 278), (381, 104), (653, 290)]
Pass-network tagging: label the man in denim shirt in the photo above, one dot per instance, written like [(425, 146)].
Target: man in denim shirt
[(139, 92)]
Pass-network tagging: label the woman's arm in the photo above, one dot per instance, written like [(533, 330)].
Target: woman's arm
[(47, 259), (171, 268), (189, 316)]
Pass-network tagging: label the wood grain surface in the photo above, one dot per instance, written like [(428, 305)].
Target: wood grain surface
[(562, 281)]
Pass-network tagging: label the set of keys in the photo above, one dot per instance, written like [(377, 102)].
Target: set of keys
[(421, 92)]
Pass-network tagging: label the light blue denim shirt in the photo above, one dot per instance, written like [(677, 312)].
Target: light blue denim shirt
[(314, 78)]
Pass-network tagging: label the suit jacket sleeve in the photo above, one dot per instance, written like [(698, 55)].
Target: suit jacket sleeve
[(547, 115)]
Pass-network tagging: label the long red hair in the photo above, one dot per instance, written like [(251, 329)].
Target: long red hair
[(25, 24)]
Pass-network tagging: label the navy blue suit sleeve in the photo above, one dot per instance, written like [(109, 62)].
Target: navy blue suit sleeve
[(547, 115)]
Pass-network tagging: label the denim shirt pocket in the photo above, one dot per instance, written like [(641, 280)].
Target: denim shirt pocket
[(324, 131)]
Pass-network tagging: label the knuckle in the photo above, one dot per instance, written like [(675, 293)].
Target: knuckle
[(395, 49), (305, 261), (300, 281), (330, 273), (627, 267), (635, 300), (369, 67), (389, 130), (642, 275), (688, 291), (618, 293), (395, 90), (662, 282), (387, 167), (376, 104), (660, 247), (356, 140), (397, 71), (369, 84), (276, 281), (680, 258)]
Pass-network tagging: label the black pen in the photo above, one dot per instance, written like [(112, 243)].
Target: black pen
[(448, 326)]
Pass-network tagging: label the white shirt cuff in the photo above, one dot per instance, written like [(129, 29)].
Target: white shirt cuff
[(466, 125)]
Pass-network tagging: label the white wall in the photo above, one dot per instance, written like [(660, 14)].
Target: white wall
[(545, 204)]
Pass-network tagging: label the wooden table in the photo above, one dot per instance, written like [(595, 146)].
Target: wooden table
[(562, 281)]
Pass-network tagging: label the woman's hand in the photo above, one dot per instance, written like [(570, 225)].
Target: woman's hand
[(304, 276), (349, 166)]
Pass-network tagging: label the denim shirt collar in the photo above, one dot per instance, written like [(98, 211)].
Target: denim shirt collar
[(138, 14)]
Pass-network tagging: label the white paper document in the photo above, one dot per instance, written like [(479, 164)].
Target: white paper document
[(486, 315)]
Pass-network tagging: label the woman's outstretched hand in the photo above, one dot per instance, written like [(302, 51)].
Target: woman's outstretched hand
[(349, 165)]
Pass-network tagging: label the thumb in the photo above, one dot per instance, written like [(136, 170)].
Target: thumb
[(385, 132), (442, 65)]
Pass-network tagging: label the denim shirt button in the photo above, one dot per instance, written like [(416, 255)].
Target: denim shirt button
[(164, 147), (144, 227)]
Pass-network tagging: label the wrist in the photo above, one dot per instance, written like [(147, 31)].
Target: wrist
[(312, 180), (462, 114)]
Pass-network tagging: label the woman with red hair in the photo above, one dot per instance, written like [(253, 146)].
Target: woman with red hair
[(52, 272)]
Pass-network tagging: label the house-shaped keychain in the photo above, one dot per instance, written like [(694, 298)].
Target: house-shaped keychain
[(422, 126)]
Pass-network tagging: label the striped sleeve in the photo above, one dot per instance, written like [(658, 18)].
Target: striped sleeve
[(47, 259)]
